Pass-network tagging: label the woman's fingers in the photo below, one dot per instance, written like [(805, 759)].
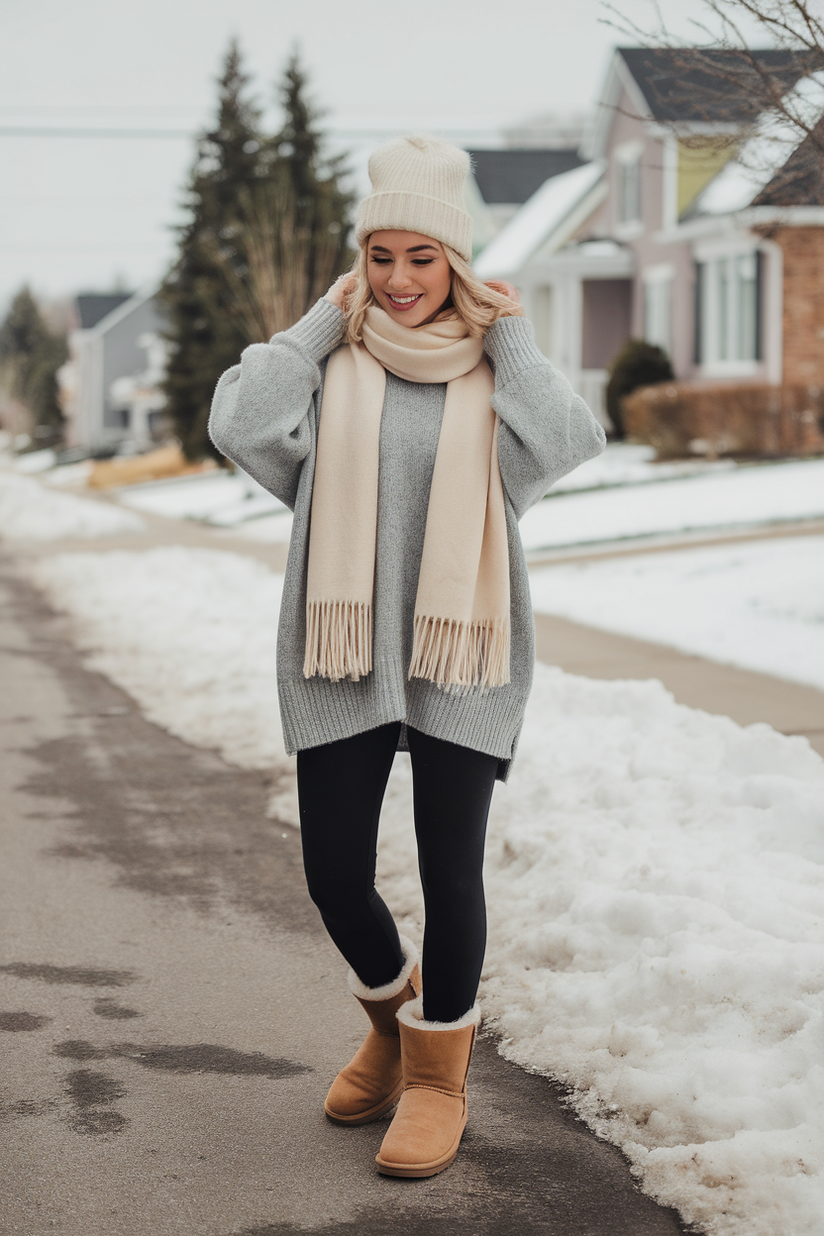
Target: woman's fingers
[(506, 289), (339, 289)]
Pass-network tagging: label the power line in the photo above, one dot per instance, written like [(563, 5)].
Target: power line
[(181, 134), (44, 131)]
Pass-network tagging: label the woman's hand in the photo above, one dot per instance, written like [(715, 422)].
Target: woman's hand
[(341, 288), (511, 293)]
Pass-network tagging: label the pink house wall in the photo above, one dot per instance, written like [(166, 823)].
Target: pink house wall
[(628, 127)]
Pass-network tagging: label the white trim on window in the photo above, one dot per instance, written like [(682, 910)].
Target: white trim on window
[(658, 285), (772, 310), (669, 186)]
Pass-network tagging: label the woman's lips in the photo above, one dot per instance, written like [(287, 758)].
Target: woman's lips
[(404, 304)]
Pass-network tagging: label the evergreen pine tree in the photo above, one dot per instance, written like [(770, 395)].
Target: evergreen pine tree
[(266, 238), (204, 336), (322, 206), (30, 355)]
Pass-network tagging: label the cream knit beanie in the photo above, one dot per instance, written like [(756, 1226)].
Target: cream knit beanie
[(418, 186)]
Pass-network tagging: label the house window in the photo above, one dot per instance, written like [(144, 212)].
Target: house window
[(629, 190), (727, 305), (658, 307)]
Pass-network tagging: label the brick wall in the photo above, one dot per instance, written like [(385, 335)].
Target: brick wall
[(803, 249)]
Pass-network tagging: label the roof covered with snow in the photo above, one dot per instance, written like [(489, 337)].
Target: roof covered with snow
[(550, 213), (777, 165)]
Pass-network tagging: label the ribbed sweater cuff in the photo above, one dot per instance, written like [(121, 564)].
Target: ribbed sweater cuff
[(318, 332), (511, 345)]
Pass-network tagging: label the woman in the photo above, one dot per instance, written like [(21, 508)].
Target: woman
[(409, 421)]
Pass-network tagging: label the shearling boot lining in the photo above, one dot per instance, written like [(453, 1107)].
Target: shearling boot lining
[(397, 985), (411, 1014)]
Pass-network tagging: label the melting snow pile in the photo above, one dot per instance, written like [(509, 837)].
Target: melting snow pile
[(757, 605), (655, 881), (30, 512)]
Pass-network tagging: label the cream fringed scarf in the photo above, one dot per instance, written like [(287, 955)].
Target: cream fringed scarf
[(461, 636)]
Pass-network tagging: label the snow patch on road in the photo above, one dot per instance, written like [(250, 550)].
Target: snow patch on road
[(655, 881), (30, 512), (759, 605)]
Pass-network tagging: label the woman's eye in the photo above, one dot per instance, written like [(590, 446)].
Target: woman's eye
[(381, 261), (423, 261)]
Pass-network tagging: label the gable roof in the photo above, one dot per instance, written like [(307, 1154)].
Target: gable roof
[(547, 220), (691, 85), (93, 307), (511, 177), (694, 84)]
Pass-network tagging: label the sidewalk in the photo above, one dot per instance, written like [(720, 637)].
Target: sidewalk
[(741, 694)]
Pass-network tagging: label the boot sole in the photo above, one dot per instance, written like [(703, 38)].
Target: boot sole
[(415, 1173), (374, 1113), (418, 1171)]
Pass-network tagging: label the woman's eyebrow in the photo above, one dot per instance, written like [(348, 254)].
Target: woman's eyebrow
[(413, 249)]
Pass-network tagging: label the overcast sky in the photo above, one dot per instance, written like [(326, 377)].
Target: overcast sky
[(79, 213)]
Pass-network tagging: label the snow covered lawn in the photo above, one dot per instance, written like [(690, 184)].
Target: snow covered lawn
[(219, 497), (630, 463), (766, 494), (758, 605), (655, 880), (30, 512)]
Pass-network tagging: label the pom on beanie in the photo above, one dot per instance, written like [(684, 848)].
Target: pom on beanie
[(418, 186)]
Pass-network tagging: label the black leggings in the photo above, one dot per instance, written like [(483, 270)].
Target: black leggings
[(340, 788)]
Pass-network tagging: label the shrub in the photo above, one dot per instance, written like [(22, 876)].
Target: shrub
[(637, 364)]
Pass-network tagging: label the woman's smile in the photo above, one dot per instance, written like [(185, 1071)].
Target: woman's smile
[(404, 302)]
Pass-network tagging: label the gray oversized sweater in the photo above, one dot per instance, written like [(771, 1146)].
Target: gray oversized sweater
[(265, 418)]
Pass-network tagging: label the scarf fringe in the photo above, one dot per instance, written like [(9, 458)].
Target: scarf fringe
[(338, 639), (459, 656)]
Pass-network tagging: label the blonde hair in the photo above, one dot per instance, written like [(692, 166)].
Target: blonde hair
[(476, 304)]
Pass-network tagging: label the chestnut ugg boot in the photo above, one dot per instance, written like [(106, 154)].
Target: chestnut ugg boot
[(426, 1131), (373, 1080)]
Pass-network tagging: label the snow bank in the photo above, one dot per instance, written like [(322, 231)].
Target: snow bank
[(757, 605), (219, 497), (655, 882), (656, 886), (765, 494), (29, 512)]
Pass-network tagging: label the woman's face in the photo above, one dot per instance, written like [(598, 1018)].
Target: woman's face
[(409, 275)]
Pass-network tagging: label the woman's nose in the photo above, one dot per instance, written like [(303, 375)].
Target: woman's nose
[(399, 278)]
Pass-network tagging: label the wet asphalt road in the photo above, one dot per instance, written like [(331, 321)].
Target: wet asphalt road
[(171, 1012)]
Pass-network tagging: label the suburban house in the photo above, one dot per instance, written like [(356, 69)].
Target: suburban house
[(713, 252), (110, 385)]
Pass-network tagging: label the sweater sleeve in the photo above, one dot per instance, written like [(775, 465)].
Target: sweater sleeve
[(546, 429), (260, 410)]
